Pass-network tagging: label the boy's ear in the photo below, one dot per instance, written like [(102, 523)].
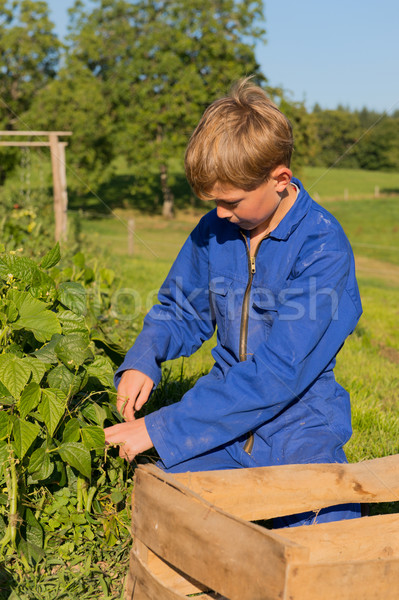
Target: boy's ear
[(282, 176)]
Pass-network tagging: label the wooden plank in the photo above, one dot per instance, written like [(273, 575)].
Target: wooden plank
[(355, 580), (24, 144), (361, 539), (30, 133), (266, 492), (57, 187), (172, 577), (236, 559), (146, 586), (169, 575), (64, 192)]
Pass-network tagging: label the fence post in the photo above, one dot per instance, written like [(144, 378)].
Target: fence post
[(57, 186), (64, 191), (130, 237)]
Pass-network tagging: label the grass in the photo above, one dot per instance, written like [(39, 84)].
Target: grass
[(332, 183)]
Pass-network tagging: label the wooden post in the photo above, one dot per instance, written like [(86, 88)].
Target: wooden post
[(346, 194), (376, 191), (130, 237), (64, 192), (57, 150), (57, 186)]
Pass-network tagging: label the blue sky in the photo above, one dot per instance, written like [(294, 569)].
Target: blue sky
[(342, 52)]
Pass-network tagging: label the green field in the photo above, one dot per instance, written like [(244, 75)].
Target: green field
[(332, 183)]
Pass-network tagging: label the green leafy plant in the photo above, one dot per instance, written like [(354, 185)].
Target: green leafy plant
[(56, 393)]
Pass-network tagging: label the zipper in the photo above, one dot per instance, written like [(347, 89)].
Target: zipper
[(244, 319)]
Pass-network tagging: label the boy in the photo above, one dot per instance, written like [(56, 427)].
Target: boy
[(275, 273)]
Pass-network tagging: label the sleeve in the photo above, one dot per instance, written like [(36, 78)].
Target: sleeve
[(182, 320), (315, 315)]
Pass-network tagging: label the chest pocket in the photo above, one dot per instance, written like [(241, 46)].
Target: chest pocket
[(263, 310), (219, 288)]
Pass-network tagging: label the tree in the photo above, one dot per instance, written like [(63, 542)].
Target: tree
[(160, 63), (29, 54), (378, 148), (306, 145), (75, 102), (337, 132)]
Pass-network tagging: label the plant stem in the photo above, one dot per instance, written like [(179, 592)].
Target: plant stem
[(12, 487), (92, 492), (80, 491)]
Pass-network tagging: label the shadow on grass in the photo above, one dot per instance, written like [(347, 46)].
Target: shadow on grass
[(389, 191), (142, 193)]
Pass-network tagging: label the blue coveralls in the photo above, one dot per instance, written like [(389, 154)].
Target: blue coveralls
[(291, 309)]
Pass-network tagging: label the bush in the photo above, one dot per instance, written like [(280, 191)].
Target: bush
[(57, 358)]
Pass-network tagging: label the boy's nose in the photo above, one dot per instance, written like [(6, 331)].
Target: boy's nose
[(223, 212)]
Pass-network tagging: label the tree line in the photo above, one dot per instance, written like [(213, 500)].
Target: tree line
[(133, 77)]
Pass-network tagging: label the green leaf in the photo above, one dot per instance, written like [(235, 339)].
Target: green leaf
[(40, 466), (73, 295), (62, 378), (5, 425), (93, 437), (72, 323), (34, 316), (47, 353), (116, 497), (115, 352), (41, 285), (30, 398), (107, 275), (11, 311), (25, 434), (102, 369), (37, 366), (73, 350), (52, 408), (14, 373), (79, 260), (94, 412), (19, 266), (51, 258), (34, 531), (89, 275), (43, 325), (77, 456), (4, 456), (5, 395), (71, 431)]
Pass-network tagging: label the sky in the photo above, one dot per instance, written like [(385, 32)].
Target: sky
[(343, 52)]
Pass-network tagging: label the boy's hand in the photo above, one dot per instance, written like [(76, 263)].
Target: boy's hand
[(133, 391), (132, 437)]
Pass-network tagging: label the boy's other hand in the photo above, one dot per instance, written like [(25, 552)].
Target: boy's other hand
[(133, 391), (132, 437)]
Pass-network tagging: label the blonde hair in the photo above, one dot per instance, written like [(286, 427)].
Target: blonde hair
[(238, 141)]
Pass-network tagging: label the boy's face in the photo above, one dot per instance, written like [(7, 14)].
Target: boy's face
[(254, 209)]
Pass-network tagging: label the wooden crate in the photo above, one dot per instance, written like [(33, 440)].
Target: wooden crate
[(193, 533)]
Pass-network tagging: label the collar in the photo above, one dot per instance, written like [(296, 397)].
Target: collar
[(295, 215)]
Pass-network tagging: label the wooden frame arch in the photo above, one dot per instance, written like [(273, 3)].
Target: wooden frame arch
[(58, 165)]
